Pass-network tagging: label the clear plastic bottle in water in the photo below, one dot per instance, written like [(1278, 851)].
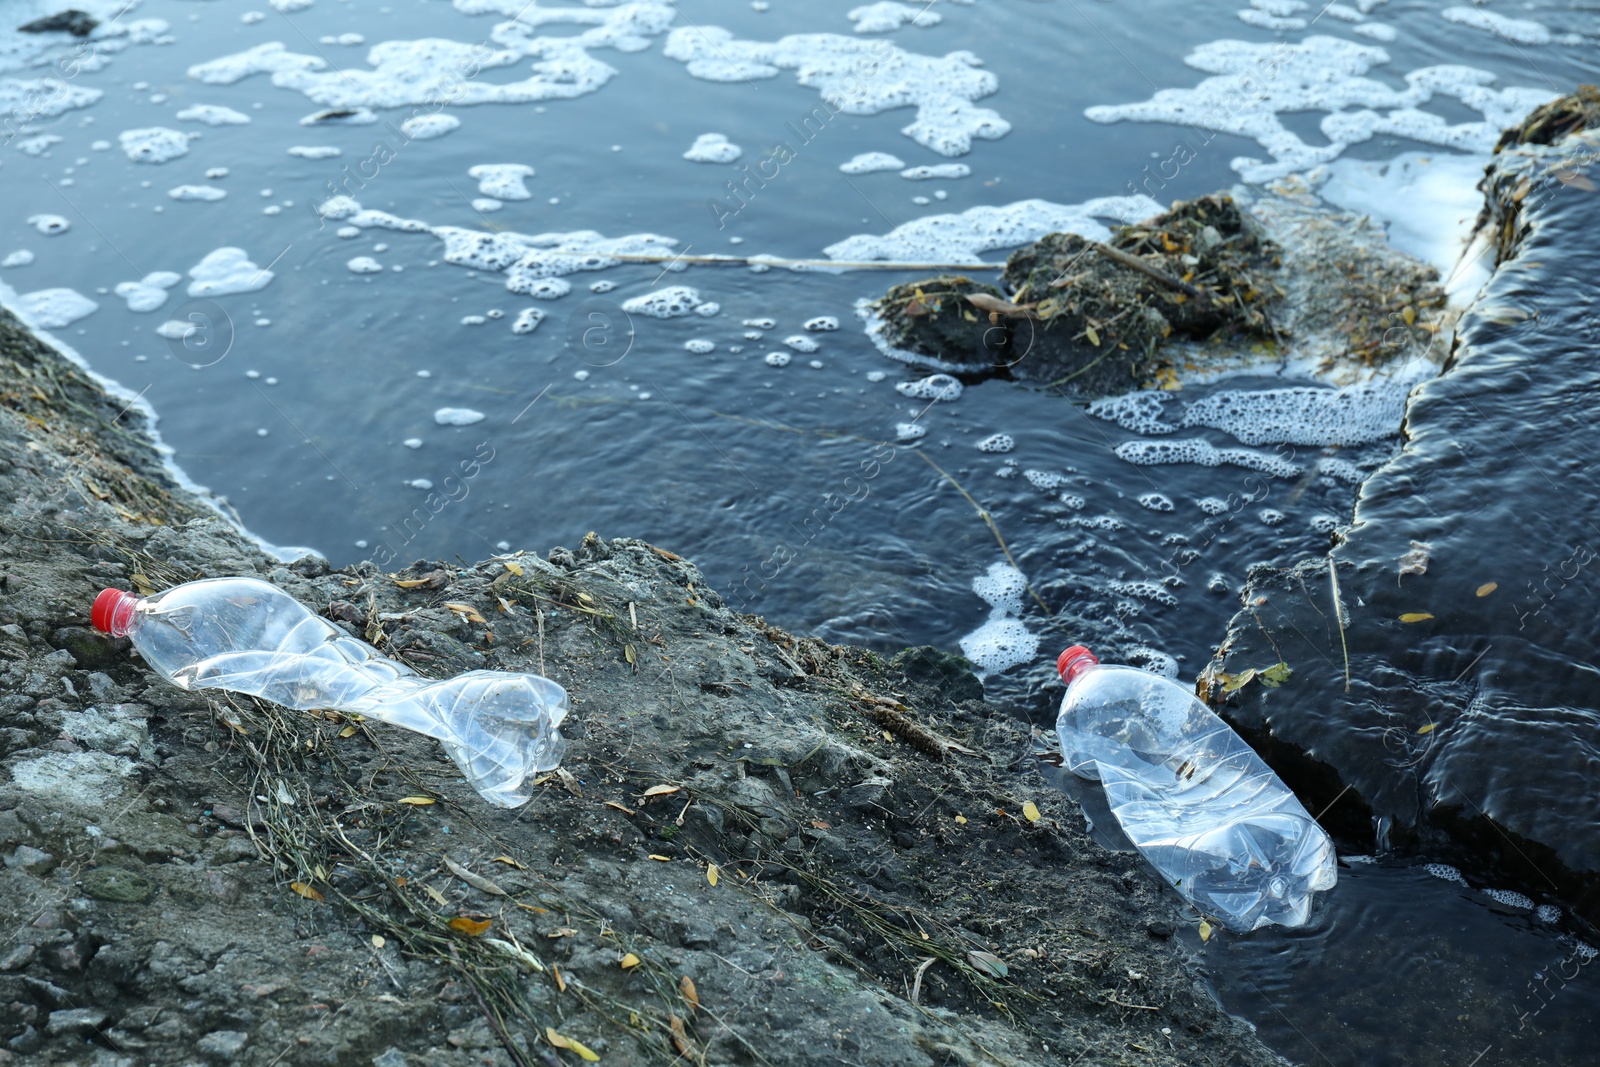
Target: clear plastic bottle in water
[(244, 635), (1197, 801)]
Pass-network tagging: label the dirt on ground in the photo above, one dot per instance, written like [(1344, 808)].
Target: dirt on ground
[(759, 849)]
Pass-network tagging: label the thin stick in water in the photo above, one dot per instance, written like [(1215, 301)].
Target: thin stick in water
[(984, 515), (1338, 617)]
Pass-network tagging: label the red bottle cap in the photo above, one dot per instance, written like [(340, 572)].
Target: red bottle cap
[(1074, 661), (113, 611)]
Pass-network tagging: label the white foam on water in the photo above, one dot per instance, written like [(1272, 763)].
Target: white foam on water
[(886, 16), (760, 324), (473, 320), (1156, 502), (214, 173), (1140, 412), (213, 115), (713, 148), (486, 204), (286, 6), (699, 346), (1354, 415), (1445, 871), (777, 359), (51, 309), (1521, 31), (349, 40), (527, 320), (872, 162), (907, 431), (314, 151), (227, 270), (668, 303), (1199, 451), (1547, 913), (964, 237), (1509, 897), (937, 170), (1427, 204), (1377, 31), (1003, 641), (1264, 21), (196, 192), (857, 77), (27, 100), (1212, 505), (1252, 84), (412, 442), (1270, 516), (364, 265), (502, 181), (149, 292), (20, 258), (176, 329), (822, 324), (154, 144), (999, 442), (50, 225), (457, 416), (427, 127), (269, 58), (37, 146), (941, 387), (801, 343)]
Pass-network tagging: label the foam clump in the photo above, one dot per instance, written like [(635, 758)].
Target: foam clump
[(51, 309), (37, 146), (941, 387), (502, 181), (1198, 451), (227, 270), (20, 258), (1355, 415), (364, 265), (1003, 641), (1212, 505), (822, 324), (269, 58), (196, 192), (149, 292), (887, 16), (1445, 871), (213, 115), (1156, 502), (32, 99), (538, 288), (801, 343), (668, 303), (777, 359), (999, 442), (964, 237), (1140, 412), (314, 151), (1001, 587), (153, 144), (284, 7), (1252, 84), (1522, 31), (1510, 898), (1046, 480), (871, 163), (699, 346), (943, 90), (457, 416), (527, 320), (713, 148), (909, 431), (937, 170), (49, 225), (427, 127)]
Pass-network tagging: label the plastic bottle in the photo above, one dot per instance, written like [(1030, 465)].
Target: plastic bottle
[(1197, 801), (247, 636)]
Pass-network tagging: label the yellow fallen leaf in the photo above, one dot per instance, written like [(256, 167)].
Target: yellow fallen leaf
[(378, 941), (1030, 811), (712, 874), (661, 790), (629, 961), (305, 890), (1205, 930), (509, 862), (514, 568), (438, 897), (1409, 314), (1415, 616), (680, 1038), (471, 927), (418, 801), (962, 819), (348, 731), (466, 611), (887, 736), (413, 583), (1488, 587), (622, 808), (660, 858), (1094, 338), (690, 994), (582, 1050), (629, 654), (561, 983), (1428, 729)]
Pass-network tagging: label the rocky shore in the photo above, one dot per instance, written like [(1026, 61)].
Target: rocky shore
[(761, 849)]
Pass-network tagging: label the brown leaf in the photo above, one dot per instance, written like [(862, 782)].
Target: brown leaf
[(628, 962), (660, 858), (466, 611), (690, 994), (436, 579), (471, 927), (305, 890), (562, 931), (621, 808), (476, 881), (418, 801), (513, 567), (680, 1037), (661, 790), (1488, 587), (561, 983), (509, 862)]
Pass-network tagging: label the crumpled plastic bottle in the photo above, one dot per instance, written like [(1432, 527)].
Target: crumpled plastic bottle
[(246, 636), (1196, 801)]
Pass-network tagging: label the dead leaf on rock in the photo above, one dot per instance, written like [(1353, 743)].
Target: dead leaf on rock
[(471, 927), (476, 881)]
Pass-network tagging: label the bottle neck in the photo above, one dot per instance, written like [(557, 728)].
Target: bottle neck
[(114, 612), (1074, 662)]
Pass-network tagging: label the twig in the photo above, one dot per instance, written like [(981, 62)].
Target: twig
[(916, 985), (1116, 255), (1338, 617), (984, 515), (818, 264)]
